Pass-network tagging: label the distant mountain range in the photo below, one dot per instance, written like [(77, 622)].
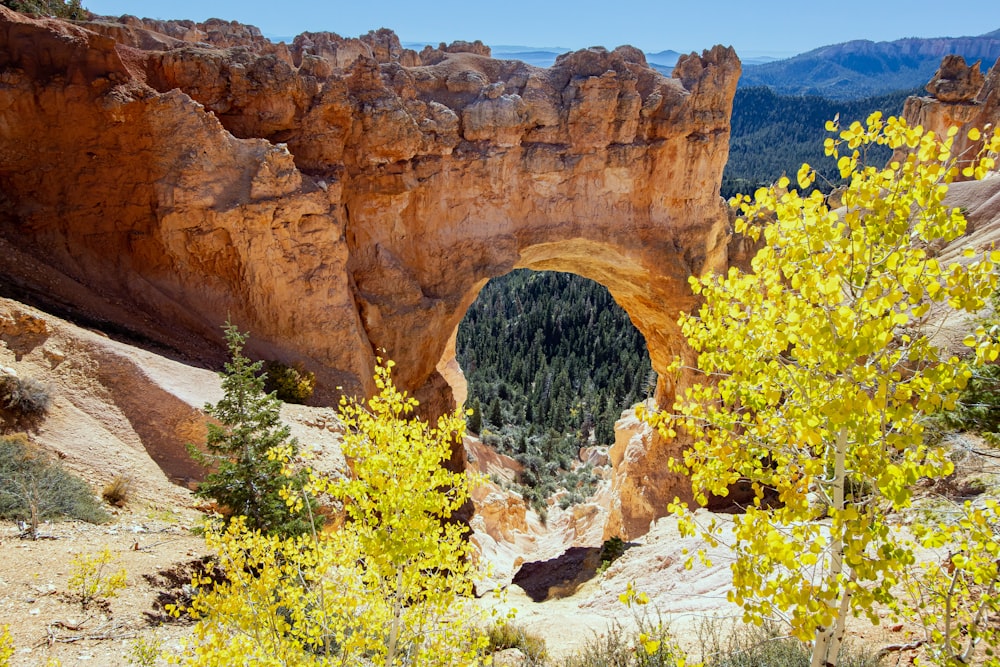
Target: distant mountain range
[(662, 61), (850, 70), (862, 68)]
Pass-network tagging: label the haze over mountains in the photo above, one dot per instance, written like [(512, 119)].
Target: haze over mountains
[(847, 70), (545, 56), (861, 68)]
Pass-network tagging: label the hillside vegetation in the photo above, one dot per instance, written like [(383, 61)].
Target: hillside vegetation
[(774, 134), (551, 362)]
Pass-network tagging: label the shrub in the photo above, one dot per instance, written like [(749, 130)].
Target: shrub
[(72, 10), (611, 649), (90, 580), (505, 635), (34, 488), (978, 408), (117, 491), (392, 586), (144, 652), (612, 549), (291, 384), (6, 646), (651, 646), (765, 646), (26, 398)]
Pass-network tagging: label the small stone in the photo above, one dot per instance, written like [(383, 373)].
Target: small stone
[(54, 354), (511, 657), (495, 90)]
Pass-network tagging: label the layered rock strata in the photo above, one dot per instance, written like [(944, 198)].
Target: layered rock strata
[(341, 197), (335, 201)]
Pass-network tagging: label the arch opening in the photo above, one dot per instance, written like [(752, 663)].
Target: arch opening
[(550, 361)]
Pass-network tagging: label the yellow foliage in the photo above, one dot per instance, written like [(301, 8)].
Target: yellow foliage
[(391, 587), (6, 646), (819, 376), (90, 580)]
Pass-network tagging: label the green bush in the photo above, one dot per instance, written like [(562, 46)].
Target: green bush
[(978, 407), (611, 550), (291, 384), (26, 398), (505, 634), (741, 645), (34, 488), (72, 10)]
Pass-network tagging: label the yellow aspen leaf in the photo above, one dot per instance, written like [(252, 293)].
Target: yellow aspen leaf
[(822, 391)]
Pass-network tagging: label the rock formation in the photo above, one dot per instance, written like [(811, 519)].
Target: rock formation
[(334, 205), (339, 197), (960, 96)]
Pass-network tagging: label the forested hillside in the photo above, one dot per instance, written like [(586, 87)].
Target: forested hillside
[(862, 68), (550, 351), (551, 362), (774, 134)]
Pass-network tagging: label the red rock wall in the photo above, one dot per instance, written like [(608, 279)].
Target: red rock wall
[(145, 160), (339, 197)]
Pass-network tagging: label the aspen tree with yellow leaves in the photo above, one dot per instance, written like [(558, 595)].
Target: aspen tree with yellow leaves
[(391, 587), (817, 372)]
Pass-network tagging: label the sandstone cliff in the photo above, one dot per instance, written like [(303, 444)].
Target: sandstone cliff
[(341, 196), (336, 197)]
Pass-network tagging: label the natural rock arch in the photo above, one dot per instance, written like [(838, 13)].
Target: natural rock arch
[(394, 193), (338, 197), (637, 210)]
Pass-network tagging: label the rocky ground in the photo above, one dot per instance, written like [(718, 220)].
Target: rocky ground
[(46, 618), (119, 411)]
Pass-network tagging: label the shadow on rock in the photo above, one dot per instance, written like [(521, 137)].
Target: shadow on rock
[(561, 576)]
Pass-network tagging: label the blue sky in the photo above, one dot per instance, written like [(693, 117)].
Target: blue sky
[(754, 28)]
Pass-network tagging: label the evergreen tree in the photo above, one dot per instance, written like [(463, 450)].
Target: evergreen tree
[(248, 479), (496, 417), (72, 9), (474, 423), (773, 134)]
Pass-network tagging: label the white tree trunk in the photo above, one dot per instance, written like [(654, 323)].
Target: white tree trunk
[(826, 645)]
